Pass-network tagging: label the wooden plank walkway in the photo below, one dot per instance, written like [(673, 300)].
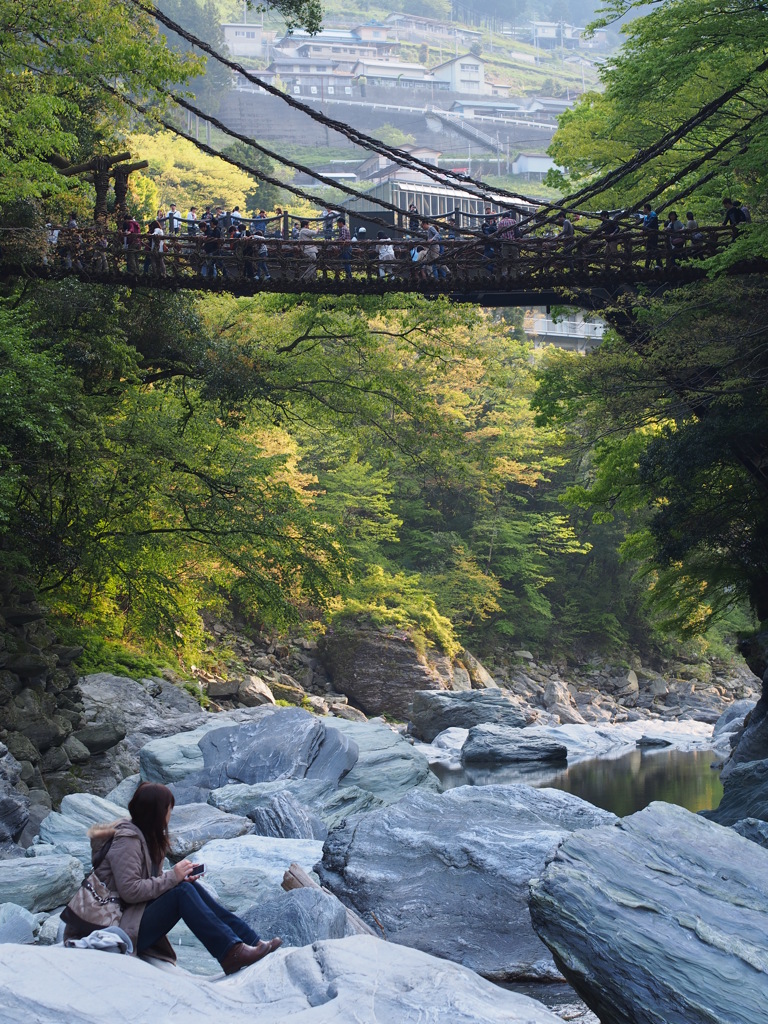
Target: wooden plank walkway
[(528, 271)]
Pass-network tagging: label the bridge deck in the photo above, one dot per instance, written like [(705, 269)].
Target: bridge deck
[(527, 271)]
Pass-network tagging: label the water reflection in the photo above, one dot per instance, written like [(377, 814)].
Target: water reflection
[(624, 785)]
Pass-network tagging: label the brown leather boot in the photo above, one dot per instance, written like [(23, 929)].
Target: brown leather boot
[(240, 955)]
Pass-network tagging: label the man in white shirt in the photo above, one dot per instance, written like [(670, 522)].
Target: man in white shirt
[(173, 220)]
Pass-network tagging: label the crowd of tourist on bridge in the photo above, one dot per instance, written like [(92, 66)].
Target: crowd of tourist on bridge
[(227, 243)]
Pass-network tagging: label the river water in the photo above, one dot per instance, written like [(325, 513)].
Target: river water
[(623, 785)]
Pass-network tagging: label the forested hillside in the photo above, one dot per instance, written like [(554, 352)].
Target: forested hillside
[(299, 458)]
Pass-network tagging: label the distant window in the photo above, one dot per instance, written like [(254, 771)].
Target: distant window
[(348, 90), (251, 35), (313, 90), (472, 68), (297, 90), (330, 90)]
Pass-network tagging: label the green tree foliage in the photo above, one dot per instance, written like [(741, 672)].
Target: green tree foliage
[(58, 59), (181, 173), (675, 410), (677, 58), (200, 18)]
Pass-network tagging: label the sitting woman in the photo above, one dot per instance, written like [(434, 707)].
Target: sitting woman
[(156, 900)]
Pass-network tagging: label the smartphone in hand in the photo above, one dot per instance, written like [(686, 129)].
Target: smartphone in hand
[(196, 869)]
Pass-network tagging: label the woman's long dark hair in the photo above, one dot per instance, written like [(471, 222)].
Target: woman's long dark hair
[(148, 810)]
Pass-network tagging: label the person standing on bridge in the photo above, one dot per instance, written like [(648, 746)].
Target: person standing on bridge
[(329, 218), (734, 215), (131, 242), (675, 238), (345, 249), (566, 236), (651, 230), (413, 219), (490, 227), (308, 251), (192, 221), (174, 220)]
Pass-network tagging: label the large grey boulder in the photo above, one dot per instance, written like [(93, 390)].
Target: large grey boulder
[(662, 918), (194, 825), (17, 924), (559, 701), (754, 830), (66, 830), (173, 758), (751, 742), (287, 744), (745, 794), (331, 804), (300, 917), (244, 870), (14, 812), (434, 712), (122, 715), (283, 817), (148, 708), (387, 764), (40, 883), (498, 744), (359, 979), (448, 873)]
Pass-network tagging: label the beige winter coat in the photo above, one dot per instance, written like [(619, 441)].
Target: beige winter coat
[(127, 870)]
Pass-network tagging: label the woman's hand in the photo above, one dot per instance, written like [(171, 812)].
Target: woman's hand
[(182, 869)]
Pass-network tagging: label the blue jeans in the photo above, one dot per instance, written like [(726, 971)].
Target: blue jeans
[(216, 927)]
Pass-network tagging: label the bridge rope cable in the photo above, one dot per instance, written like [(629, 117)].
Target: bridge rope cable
[(666, 141), (317, 175), (398, 156), (549, 210), (255, 172), (694, 165)]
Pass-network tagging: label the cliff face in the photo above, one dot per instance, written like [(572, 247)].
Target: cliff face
[(380, 671), (40, 706)]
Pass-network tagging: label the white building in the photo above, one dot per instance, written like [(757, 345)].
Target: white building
[(246, 40), (533, 165), (462, 74), (572, 331)]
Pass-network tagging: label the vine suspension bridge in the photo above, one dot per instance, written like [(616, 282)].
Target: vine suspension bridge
[(530, 270)]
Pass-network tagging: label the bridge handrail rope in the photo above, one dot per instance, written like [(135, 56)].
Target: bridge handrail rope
[(249, 264)]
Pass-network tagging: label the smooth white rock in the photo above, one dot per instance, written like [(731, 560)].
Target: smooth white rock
[(194, 825), (387, 764), (40, 883), (239, 869), (67, 829), (171, 758), (17, 924), (585, 742), (332, 805), (358, 980)]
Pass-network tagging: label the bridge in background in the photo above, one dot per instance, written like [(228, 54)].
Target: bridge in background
[(530, 271)]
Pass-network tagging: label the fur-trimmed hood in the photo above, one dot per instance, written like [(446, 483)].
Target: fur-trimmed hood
[(100, 834)]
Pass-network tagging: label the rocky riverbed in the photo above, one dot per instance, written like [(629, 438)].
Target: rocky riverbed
[(428, 895), (441, 879)]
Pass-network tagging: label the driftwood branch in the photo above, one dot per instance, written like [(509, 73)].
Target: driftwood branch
[(297, 878)]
